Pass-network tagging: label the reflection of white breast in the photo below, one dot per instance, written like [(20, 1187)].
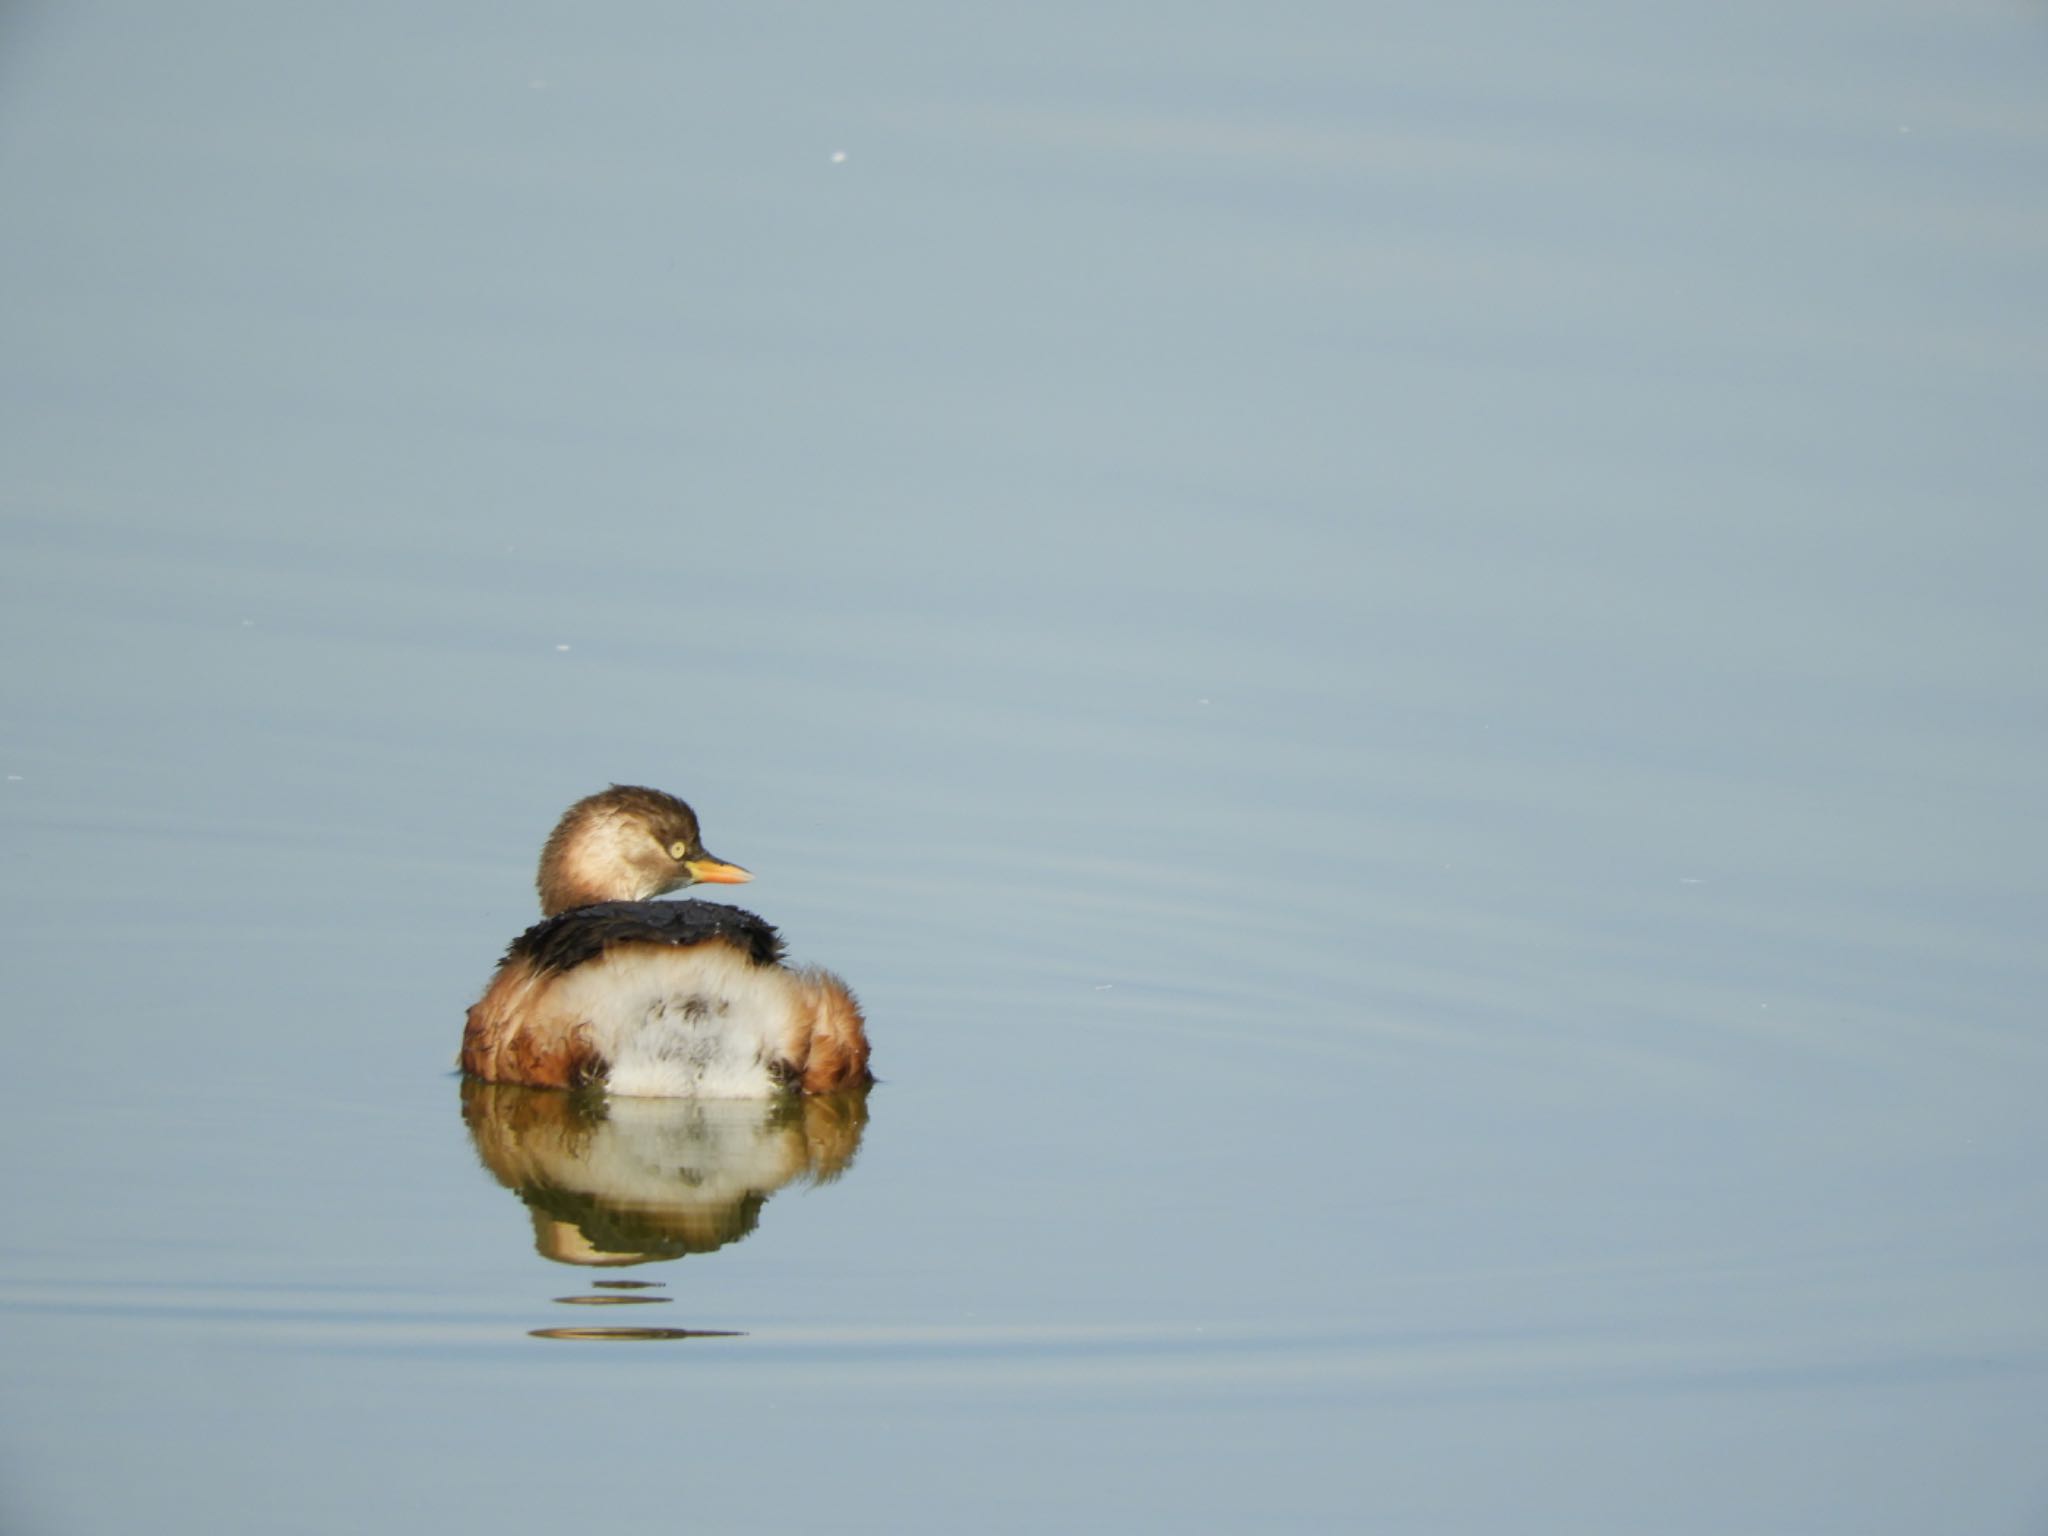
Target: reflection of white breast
[(700, 1022), (621, 1181), (656, 1153)]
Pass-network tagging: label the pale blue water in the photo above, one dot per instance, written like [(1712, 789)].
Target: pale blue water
[(1401, 649)]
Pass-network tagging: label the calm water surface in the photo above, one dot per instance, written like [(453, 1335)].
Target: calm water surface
[(1400, 649)]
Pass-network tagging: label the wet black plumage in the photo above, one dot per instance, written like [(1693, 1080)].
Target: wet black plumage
[(566, 940)]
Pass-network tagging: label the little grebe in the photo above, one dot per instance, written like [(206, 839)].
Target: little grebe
[(655, 999)]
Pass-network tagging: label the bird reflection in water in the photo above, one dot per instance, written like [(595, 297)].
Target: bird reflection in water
[(612, 1182)]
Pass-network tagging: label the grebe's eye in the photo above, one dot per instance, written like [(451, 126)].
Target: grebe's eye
[(679, 851)]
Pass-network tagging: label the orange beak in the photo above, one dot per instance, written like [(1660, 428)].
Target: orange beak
[(710, 871)]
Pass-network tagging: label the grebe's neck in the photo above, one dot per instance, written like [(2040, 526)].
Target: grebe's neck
[(595, 862)]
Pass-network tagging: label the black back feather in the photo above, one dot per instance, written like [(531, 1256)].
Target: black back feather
[(567, 939)]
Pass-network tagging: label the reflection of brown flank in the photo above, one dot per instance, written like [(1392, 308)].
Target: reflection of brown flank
[(833, 1126)]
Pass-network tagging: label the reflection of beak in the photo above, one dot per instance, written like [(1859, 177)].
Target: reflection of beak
[(710, 871)]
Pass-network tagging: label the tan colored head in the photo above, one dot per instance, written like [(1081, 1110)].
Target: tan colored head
[(627, 844)]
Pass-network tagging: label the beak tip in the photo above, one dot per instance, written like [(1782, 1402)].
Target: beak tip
[(717, 872)]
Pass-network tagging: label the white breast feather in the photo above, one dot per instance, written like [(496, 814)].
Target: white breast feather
[(702, 1022)]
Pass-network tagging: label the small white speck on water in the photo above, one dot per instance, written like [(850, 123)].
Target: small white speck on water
[(1201, 701), (14, 778), (1690, 880), (248, 623), (561, 647), (839, 157), (536, 85), (1106, 986)]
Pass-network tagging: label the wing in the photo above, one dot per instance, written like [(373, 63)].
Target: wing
[(567, 939)]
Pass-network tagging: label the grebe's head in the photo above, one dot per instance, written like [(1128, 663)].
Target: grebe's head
[(626, 844)]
